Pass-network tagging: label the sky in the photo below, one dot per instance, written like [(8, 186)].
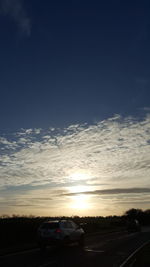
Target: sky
[(74, 107)]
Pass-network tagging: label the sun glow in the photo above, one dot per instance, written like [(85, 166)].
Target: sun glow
[(79, 188), (79, 176), (80, 202)]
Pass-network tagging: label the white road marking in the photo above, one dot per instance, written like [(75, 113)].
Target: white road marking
[(93, 250), (133, 254)]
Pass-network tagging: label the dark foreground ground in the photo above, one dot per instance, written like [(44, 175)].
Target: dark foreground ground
[(100, 251), (142, 258)]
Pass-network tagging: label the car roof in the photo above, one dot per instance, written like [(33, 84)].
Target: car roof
[(51, 221), (57, 221)]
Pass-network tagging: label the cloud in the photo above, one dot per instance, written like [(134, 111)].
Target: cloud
[(112, 151), (111, 158), (16, 11), (114, 191)]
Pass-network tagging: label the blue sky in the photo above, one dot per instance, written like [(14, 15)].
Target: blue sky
[(74, 105)]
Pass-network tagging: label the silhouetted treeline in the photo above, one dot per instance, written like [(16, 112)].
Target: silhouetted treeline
[(142, 216), (19, 230)]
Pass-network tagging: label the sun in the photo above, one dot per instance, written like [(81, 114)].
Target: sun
[(78, 199), (80, 202)]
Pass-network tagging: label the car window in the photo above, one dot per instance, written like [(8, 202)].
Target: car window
[(52, 225), (69, 225), (64, 224), (74, 225)]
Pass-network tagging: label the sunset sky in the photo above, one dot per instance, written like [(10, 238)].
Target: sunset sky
[(74, 107)]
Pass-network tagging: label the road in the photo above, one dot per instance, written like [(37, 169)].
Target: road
[(108, 250)]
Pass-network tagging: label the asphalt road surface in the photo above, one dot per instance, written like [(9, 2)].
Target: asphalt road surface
[(100, 251)]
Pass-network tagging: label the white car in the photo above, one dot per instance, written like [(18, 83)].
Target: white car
[(59, 232)]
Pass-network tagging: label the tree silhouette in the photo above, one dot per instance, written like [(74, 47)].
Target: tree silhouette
[(134, 213)]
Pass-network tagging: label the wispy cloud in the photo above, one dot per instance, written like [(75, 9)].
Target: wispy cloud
[(15, 10)]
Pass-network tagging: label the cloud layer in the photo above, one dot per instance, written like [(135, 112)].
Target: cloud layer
[(114, 153)]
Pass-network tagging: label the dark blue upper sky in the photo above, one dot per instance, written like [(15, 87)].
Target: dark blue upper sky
[(64, 62)]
